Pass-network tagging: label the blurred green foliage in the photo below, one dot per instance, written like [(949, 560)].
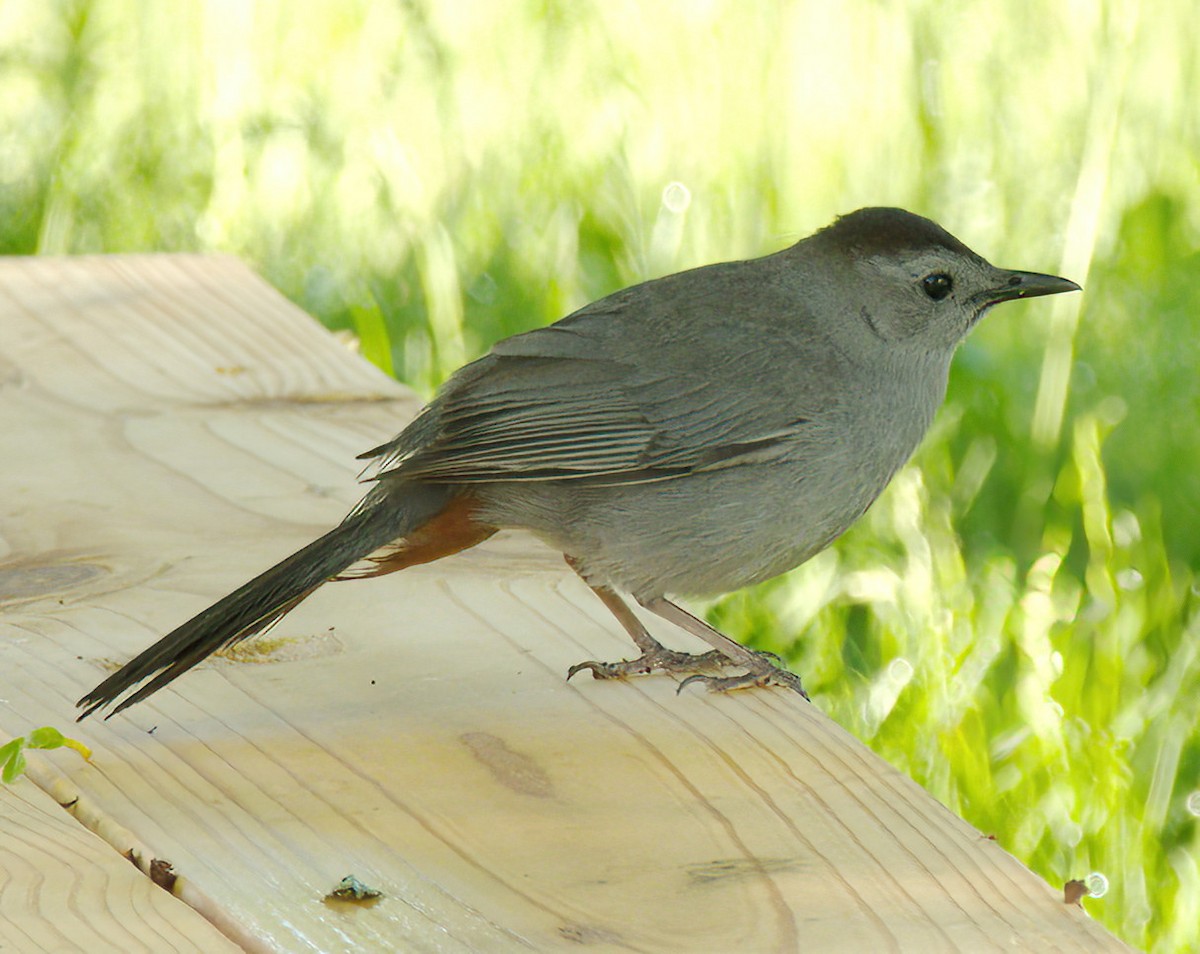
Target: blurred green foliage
[(1015, 623)]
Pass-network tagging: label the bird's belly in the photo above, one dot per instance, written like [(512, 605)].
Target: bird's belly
[(703, 535)]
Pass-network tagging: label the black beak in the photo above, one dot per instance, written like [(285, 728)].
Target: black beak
[(1014, 285)]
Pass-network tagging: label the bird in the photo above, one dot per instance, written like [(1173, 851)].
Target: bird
[(686, 436)]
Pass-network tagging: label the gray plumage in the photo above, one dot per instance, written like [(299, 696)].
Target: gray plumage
[(714, 428), (689, 435)]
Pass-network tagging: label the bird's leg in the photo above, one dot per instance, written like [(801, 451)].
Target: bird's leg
[(654, 654), (760, 671)]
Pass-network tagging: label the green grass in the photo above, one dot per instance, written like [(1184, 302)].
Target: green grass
[(1015, 623)]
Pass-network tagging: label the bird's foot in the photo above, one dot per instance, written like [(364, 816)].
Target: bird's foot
[(765, 675), (668, 660), (661, 658)]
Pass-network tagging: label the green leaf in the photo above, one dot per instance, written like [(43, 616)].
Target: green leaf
[(47, 737), (9, 749), (12, 757), (14, 766)]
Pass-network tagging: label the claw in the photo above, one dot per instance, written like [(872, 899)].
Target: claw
[(603, 670), (662, 658), (668, 660), (769, 676)]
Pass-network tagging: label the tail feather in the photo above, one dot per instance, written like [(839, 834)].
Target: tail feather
[(259, 604)]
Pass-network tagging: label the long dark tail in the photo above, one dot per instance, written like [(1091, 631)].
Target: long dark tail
[(252, 608)]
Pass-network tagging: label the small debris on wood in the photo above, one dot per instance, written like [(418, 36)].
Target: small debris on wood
[(1074, 892), (351, 889), (162, 873)]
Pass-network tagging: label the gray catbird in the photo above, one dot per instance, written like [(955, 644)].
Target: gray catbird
[(693, 434)]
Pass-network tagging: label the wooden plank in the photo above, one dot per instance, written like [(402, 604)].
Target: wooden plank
[(169, 426), (63, 889)]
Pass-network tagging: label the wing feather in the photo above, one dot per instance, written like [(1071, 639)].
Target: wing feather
[(576, 401)]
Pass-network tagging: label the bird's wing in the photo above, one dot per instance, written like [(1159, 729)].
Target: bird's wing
[(574, 401)]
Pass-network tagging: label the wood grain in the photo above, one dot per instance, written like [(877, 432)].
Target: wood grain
[(63, 889), (168, 427)]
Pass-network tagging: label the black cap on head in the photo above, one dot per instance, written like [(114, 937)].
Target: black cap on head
[(878, 231)]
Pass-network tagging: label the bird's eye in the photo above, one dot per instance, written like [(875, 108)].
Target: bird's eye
[(938, 285)]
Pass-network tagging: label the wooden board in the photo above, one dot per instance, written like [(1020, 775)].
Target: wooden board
[(169, 426), (63, 889)]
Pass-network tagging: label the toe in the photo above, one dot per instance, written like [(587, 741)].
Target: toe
[(597, 669)]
